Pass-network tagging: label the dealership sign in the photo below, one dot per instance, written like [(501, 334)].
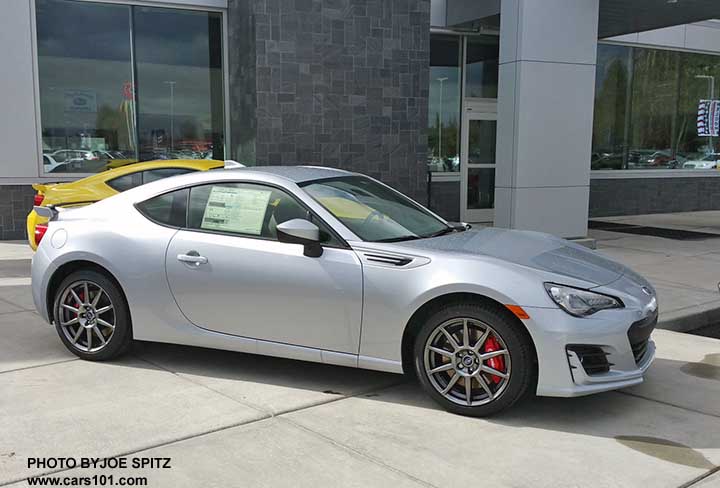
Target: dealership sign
[(80, 101), (708, 121)]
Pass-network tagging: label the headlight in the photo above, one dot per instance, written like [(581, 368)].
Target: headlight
[(580, 303)]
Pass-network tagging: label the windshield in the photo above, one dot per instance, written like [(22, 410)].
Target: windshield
[(374, 212)]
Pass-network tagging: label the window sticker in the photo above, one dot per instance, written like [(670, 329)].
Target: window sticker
[(240, 210)]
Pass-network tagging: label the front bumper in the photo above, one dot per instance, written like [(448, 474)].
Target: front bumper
[(560, 370)]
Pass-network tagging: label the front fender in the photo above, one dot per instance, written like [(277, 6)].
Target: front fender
[(392, 296)]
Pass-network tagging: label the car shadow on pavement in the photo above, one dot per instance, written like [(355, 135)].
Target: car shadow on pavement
[(646, 424)]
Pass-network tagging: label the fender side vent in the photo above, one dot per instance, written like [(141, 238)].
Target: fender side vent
[(386, 259)]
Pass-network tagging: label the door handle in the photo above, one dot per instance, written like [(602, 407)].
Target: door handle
[(192, 257)]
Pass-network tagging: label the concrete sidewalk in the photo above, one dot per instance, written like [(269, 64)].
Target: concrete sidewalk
[(684, 272), (231, 419), (11, 250)]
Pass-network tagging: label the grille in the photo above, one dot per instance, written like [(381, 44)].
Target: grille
[(639, 350), (639, 334), (593, 359)]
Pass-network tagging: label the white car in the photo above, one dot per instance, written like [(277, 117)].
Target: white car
[(711, 161), (51, 165)]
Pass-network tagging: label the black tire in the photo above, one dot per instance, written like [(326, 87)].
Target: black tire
[(119, 340), (517, 343)]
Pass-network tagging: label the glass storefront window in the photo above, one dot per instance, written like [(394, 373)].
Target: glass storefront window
[(103, 105), (698, 80), (646, 108), (481, 66), (84, 68), (653, 107), (444, 104), (611, 95), (179, 79)]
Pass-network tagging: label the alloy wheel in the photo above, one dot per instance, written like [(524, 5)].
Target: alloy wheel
[(467, 362), (86, 316)]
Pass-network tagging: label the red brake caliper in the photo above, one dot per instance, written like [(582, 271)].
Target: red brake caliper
[(81, 296), (496, 363)]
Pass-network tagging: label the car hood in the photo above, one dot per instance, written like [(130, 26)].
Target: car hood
[(532, 249)]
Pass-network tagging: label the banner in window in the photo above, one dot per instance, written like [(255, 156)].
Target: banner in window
[(708, 121)]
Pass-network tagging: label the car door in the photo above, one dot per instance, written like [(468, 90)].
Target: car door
[(230, 274)]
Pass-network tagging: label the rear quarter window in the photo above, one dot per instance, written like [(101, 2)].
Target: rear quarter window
[(168, 209)]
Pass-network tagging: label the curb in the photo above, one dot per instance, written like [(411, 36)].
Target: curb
[(689, 321)]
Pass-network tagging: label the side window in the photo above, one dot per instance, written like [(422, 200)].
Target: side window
[(125, 182), (159, 174), (247, 209), (168, 209)]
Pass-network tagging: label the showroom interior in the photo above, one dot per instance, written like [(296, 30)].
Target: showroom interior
[(530, 114)]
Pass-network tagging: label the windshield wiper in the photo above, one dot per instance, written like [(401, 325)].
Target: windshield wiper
[(399, 239), (451, 227), (442, 232)]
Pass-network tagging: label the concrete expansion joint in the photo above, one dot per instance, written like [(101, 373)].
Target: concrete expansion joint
[(142, 449), (259, 408), (621, 392), (359, 453), (700, 478), (38, 365)]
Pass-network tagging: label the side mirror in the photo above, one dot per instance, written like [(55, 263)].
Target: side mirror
[(301, 231)]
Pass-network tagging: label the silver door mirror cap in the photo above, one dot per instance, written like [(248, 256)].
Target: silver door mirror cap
[(301, 231)]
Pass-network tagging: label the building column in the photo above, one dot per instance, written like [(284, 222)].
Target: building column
[(548, 52)]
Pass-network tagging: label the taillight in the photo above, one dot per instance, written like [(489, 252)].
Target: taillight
[(40, 230), (38, 199)]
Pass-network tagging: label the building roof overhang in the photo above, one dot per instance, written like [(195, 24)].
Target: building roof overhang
[(616, 17)]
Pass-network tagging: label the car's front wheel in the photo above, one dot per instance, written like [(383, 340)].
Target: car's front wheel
[(473, 359), (91, 316)]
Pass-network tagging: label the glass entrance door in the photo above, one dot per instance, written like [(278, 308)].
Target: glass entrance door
[(477, 163)]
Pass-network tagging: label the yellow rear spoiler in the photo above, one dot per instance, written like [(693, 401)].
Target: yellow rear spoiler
[(43, 187)]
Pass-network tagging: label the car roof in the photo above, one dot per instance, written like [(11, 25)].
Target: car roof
[(278, 175), (296, 174)]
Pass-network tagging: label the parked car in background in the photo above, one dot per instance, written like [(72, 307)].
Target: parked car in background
[(102, 185), (297, 261), (50, 165), (606, 160), (664, 159), (711, 161), (73, 158)]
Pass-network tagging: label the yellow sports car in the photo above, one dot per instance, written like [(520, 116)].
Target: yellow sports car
[(106, 184)]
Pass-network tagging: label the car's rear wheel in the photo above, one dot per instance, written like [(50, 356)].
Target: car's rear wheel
[(91, 316), (473, 359)]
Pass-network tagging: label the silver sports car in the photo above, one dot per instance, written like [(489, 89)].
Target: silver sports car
[(325, 265)]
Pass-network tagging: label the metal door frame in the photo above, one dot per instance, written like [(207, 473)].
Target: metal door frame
[(474, 109)]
